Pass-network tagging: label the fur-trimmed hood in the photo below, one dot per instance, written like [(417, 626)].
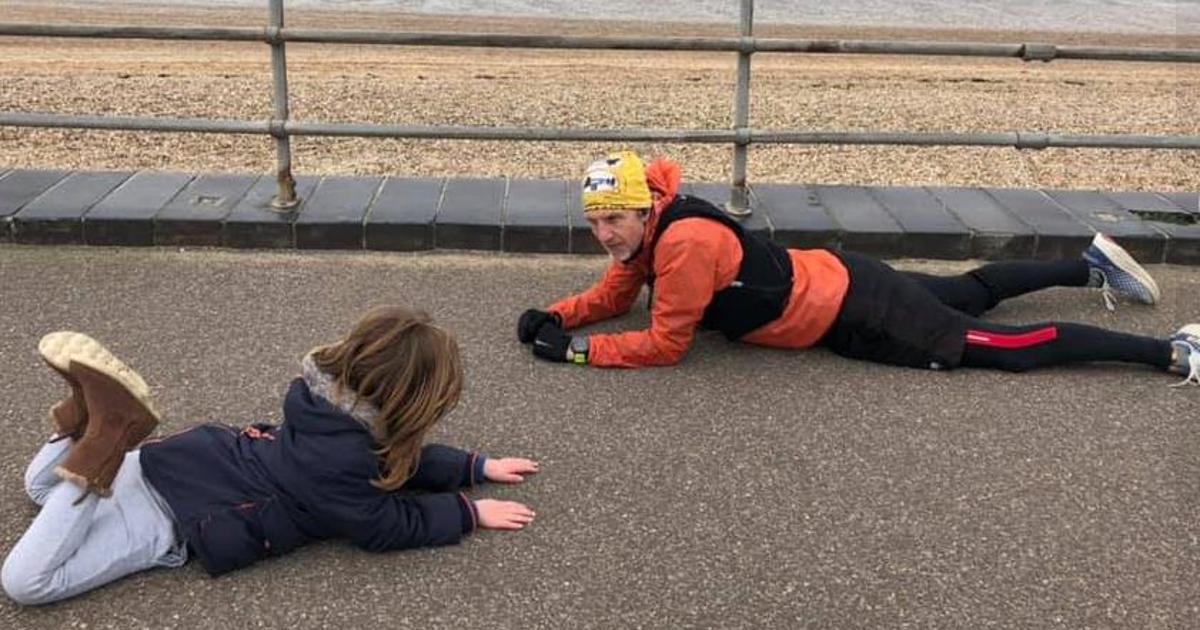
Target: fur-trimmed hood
[(324, 386)]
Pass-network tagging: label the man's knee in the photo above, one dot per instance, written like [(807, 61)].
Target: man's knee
[(983, 297)]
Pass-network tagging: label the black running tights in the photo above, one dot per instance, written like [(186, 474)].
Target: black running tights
[(1020, 348)]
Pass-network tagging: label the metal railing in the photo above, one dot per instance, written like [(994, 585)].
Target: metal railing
[(741, 135)]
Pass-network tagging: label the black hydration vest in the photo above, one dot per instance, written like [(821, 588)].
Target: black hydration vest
[(763, 285)]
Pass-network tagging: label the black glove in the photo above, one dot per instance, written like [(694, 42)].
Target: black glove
[(551, 342), (531, 320)]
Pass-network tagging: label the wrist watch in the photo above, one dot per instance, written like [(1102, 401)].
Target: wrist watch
[(577, 352)]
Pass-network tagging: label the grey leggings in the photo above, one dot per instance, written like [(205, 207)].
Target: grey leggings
[(74, 547)]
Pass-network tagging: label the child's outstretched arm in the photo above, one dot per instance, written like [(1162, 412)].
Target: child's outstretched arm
[(396, 520), (443, 468)]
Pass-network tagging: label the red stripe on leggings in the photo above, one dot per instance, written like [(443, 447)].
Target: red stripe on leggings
[(1012, 341)]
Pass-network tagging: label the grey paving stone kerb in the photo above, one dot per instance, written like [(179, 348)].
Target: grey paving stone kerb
[(1190, 202), (582, 240), (470, 214), (926, 223), (863, 224), (408, 214), (5, 229), (124, 216), (56, 216), (401, 219), (996, 234), (1137, 201), (254, 223), (1102, 214), (333, 217), (1183, 240), (18, 188), (1183, 244), (1059, 235), (719, 195), (197, 214), (796, 216), (535, 216), (1169, 214)]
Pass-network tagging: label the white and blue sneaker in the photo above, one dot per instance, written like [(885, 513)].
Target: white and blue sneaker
[(1117, 273), (1185, 355)]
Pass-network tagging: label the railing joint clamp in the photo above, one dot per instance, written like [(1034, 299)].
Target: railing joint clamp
[(1039, 52), (1032, 140)]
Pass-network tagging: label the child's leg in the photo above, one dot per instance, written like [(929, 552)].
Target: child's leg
[(979, 290), (73, 547), (39, 476), (1020, 348)]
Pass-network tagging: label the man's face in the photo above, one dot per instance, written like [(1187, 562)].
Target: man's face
[(620, 232)]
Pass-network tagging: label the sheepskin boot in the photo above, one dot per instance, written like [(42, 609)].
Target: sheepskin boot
[(58, 349), (119, 415), (68, 417)]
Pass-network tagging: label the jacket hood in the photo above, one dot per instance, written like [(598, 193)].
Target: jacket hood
[(664, 176), (308, 412)]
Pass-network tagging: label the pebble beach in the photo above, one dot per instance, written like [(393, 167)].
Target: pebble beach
[(592, 89)]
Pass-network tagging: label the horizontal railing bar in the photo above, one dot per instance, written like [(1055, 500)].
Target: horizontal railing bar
[(564, 134), (496, 40), (1029, 51), (135, 32), (200, 125), (128, 123), (1109, 53), (1019, 139), (871, 47)]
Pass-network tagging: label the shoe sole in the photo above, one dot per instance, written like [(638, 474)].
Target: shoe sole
[(60, 348), (1191, 330), (1126, 263)]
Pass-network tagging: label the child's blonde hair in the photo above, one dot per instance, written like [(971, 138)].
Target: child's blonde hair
[(409, 368)]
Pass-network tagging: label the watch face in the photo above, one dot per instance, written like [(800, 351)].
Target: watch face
[(579, 345)]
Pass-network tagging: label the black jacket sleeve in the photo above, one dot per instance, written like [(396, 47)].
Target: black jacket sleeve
[(376, 520), (443, 468), (402, 521)]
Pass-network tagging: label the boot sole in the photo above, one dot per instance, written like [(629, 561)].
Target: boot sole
[(1126, 263), (59, 349)]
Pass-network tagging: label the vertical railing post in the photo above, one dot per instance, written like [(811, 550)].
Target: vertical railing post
[(739, 199), (286, 198)]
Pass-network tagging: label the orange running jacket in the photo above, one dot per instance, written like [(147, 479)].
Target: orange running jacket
[(694, 259)]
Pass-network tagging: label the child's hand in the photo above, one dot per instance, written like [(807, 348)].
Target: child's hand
[(510, 515), (508, 469)]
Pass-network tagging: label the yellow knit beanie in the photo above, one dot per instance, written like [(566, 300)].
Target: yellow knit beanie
[(617, 182)]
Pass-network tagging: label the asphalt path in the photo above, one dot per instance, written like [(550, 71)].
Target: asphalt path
[(743, 488)]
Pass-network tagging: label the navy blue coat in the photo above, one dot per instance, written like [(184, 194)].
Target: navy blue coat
[(242, 495)]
